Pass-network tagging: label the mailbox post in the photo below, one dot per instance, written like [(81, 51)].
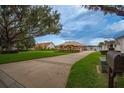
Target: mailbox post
[(111, 78), (110, 72)]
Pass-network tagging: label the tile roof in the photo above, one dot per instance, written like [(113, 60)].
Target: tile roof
[(72, 43), (45, 44)]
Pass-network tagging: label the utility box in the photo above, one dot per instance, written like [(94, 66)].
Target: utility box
[(103, 65)]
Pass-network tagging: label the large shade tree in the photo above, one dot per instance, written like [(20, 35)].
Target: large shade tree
[(26, 44), (21, 23), (108, 9)]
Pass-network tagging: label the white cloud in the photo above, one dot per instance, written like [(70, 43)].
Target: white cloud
[(89, 27), (69, 12), (118, 26), (80, 9)]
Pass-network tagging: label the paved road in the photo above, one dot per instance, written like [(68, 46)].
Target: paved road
[(2, 85), (49, 72)]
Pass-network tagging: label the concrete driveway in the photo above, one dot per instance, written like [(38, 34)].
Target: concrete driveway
[(49, 72)]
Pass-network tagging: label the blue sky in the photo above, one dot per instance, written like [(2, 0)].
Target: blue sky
[(85, 26)]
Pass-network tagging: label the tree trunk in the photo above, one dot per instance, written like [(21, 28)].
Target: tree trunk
[(9, 48)]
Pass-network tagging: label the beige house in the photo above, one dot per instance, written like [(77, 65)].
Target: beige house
[(71, 46), (106, 45), (121, 41), (45, 45)]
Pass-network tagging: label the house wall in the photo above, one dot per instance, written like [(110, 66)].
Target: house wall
[(105, 47), (121, 41), (71, 47), (50, 46), (115, 46), (118, 47)]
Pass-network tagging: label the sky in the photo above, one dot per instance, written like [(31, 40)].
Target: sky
[(85, 26)]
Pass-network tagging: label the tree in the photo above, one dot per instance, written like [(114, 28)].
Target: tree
[(26, 44), (117, 9), (20, 23)]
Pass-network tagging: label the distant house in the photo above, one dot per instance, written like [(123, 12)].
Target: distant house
[(71, 46), (106, 45), (91, 48), (121, 41), (45, 45)]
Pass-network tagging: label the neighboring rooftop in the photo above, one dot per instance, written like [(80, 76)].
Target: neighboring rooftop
[(44, 44), (71, 43)]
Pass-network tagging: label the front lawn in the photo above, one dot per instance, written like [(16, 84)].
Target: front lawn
[(83, 74), (28, 55)]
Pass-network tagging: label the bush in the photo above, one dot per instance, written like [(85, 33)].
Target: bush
[(9, 52)]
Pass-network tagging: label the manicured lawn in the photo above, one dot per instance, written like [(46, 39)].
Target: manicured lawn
[(28, 55), (83, 74)]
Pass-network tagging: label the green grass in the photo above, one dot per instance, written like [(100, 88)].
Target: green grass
[(28, 55), (120, 82), (83, 74)]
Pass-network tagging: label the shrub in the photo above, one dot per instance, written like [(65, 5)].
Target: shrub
[(9, 52)]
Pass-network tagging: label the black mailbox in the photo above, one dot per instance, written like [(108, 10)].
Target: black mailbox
[(116, 65), (115, 61)]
